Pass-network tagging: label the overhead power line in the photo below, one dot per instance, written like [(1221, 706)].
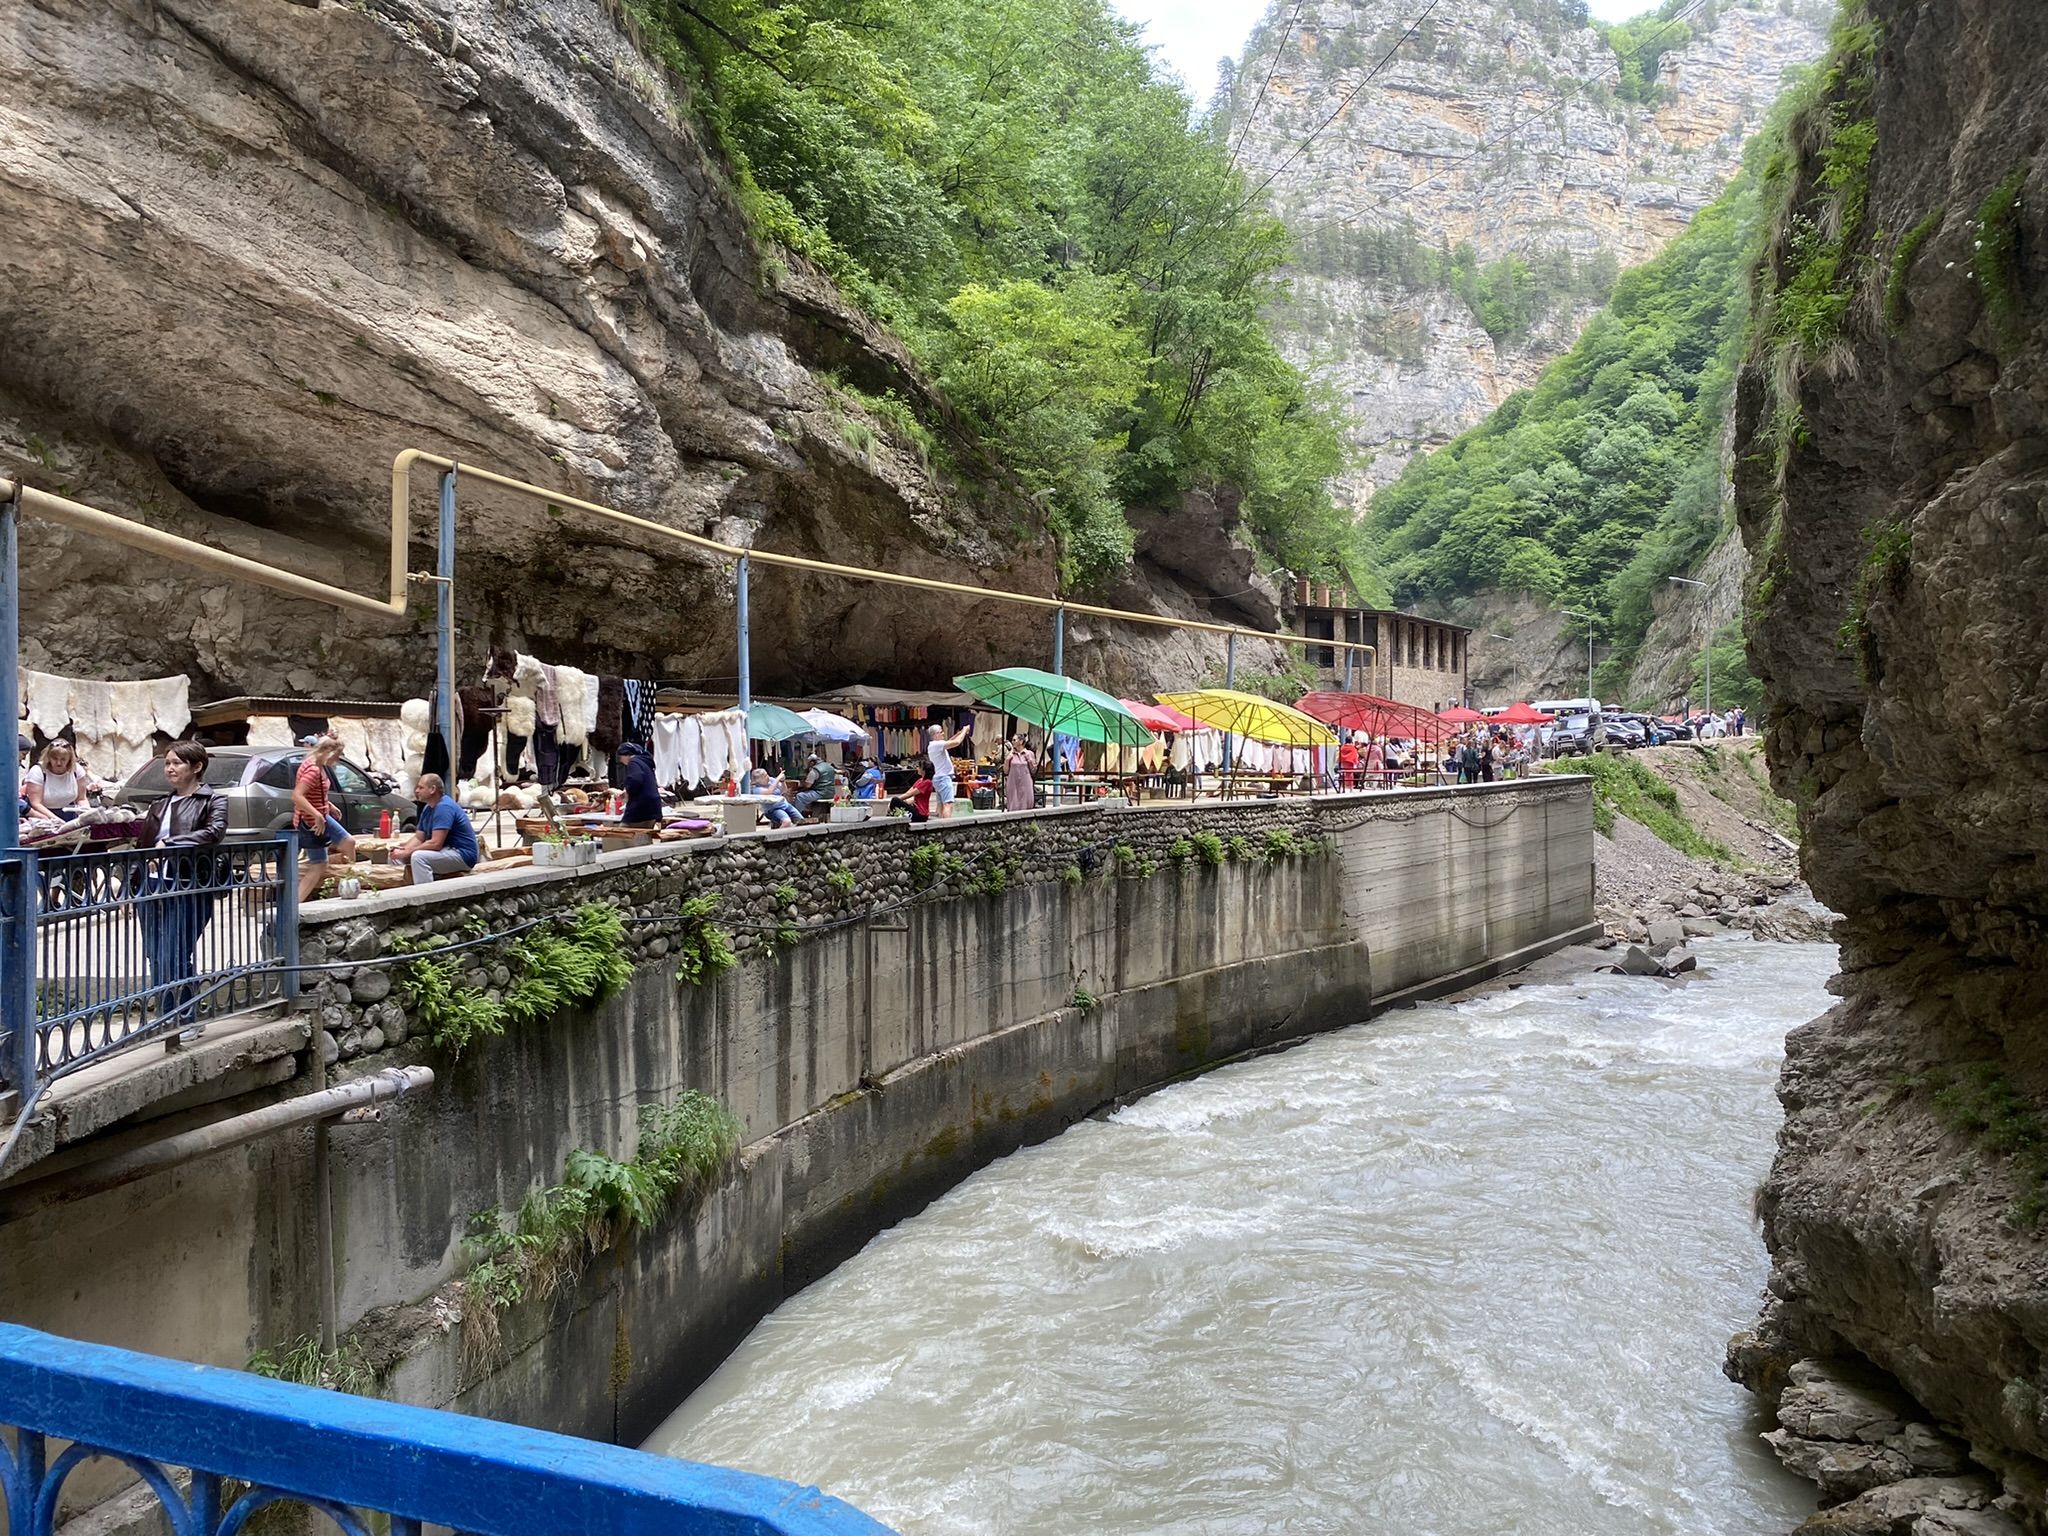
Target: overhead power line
[(1349, 97), (1279, 49)]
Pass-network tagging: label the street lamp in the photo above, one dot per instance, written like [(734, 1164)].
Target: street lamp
[(1591, 619), (1514, 661), (1707, 650)]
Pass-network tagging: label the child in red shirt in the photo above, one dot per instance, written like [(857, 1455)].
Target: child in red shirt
[(919, 801)]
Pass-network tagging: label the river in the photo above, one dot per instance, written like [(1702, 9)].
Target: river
[(1466, 1269)]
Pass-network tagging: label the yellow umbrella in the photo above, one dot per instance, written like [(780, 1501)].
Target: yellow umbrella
[(1247, 715)]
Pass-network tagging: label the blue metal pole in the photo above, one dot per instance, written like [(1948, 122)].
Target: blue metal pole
[(1229, 681), (444, 624), (1059, 641), (287, 917), (745, 643), (18, 970), (10, 661)]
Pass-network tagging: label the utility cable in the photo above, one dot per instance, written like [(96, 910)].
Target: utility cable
[(1349, 96), (1271, 69)]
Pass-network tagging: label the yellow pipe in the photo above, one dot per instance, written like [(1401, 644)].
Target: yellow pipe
[(401, 492), (119, 530)]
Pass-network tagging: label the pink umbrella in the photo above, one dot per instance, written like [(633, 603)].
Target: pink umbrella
[(1158, 717)]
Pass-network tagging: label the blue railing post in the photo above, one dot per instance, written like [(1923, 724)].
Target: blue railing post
[(10, 663), (745, 640), (287, 917), (17, 970), (444, 624)]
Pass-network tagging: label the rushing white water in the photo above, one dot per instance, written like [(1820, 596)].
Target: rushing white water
[(1466, 1269)]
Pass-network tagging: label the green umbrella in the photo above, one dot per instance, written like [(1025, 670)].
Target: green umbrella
[(771, 722), (1057, 703)]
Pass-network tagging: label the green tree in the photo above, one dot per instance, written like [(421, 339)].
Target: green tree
[(1590, 488), (941, 157)]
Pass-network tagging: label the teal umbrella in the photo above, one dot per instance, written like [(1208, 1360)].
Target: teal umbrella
[(771, 722), (1059, 704)]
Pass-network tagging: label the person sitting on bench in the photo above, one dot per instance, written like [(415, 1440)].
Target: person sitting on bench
[(445, 843)]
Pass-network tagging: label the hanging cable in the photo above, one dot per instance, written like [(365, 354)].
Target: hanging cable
[(1279, 49), (1349, 97)]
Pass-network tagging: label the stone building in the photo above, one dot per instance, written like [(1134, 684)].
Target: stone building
[(1416, 660)]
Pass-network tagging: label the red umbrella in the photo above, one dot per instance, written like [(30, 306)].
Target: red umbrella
[(1522, 714), (1369, 713), (1458, 714), (1158, 717)]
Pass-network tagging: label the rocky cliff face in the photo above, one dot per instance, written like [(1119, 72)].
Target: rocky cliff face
[(1493, 126), (1892, 484), (249, 250)]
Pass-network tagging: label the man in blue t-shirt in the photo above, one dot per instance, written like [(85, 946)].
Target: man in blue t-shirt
[(445, 843)]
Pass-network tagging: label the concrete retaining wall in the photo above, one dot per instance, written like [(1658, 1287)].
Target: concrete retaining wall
[(916, 1035)]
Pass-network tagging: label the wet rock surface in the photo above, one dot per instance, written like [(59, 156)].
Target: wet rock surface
[(1901, 548)]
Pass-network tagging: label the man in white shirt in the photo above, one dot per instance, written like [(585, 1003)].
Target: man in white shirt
[(939, 748)]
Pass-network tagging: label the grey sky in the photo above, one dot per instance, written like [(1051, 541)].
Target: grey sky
[(1191, 35)]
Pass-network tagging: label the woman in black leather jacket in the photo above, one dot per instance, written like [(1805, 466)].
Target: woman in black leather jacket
[(176, 899)]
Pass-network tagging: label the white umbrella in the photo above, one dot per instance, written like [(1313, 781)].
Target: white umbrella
[(833, 727)]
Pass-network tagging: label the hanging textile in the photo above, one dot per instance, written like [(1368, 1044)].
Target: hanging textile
[(354, 736), (640, 711), (547, 754), (112, 725), (574, 690), (716, 746), (269, 731)]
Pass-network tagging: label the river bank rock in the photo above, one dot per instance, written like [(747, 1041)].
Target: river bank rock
[(1921, 1506), (1900, 538)]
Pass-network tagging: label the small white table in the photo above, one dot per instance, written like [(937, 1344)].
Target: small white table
[(737, 813)]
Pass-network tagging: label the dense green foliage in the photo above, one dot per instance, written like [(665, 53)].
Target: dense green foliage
[(1510, 297), (1734, 683), (1067, 249), (1639, 48), (581, 961), (1591, 487)]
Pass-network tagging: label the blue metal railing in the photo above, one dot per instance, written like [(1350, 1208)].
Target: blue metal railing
[(126, 947), (353, 1459)]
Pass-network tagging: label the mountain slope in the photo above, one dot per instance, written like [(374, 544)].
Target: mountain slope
[(1464, 215), (1588, 489)]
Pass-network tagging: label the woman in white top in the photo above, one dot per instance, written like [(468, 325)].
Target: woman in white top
[(58, 787)]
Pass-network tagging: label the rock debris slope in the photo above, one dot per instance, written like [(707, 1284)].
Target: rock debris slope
[(1495, 125), (249, 250), (1892, 485)]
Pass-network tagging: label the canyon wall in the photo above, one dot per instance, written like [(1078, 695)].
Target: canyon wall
[(1892, 486), (1494, 125), (249, 250)]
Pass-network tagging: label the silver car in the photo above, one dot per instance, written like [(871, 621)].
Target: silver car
[(257, 785)]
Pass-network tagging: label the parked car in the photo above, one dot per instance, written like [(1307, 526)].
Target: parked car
[(1626, 731), (1572, 736), (257, 782)]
